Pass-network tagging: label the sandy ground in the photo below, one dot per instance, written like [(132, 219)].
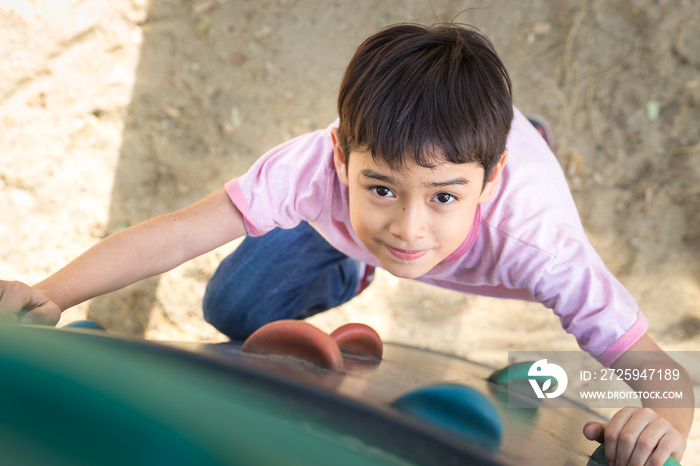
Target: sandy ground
[(115, 111)]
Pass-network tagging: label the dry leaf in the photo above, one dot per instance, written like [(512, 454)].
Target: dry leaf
[(203, 7)]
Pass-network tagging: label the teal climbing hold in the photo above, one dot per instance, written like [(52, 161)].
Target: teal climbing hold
[(457, 408), (599, 456)]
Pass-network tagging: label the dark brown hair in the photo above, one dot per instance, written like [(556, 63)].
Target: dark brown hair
[(427, 94)]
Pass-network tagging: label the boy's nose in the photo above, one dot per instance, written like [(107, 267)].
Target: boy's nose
[(409, 224)]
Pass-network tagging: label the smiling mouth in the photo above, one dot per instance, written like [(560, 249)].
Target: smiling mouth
[(406, 255)]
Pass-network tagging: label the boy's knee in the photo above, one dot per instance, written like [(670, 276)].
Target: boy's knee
[(233, 311), (219, 308), (211, 306), (224, 318)]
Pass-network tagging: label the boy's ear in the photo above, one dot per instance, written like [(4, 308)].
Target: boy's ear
[(339, 158), (494, 178)]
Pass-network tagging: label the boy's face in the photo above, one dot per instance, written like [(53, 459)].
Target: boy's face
[(412, 219)]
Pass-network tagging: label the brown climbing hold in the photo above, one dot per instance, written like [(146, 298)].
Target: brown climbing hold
[(360, 339), (296, 339)]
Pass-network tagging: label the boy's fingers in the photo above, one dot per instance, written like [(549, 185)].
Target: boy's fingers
[(647, 443), (666, 441), (13, 297), (17, 297), (638, 437), (46, 314), (612, 435), (663, 450), (594, 430)]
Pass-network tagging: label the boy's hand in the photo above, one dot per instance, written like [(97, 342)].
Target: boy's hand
[(637, 437), (17, 296)]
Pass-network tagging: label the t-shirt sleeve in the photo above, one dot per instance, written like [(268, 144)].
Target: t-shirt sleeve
[(287, 185), (543, 245), (591, 303)]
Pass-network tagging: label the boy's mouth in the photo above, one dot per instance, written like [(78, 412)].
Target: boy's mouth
[(406, 255)]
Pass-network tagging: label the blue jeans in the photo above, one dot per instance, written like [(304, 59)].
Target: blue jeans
[(284, 274)]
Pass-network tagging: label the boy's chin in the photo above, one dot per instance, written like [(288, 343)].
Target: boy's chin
[(407, 272)]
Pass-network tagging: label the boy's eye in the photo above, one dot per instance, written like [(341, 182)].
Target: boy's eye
[(382, 191), (444, 198)]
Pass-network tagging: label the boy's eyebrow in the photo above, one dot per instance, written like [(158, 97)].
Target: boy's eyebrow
[(367, 173), (440, 184)]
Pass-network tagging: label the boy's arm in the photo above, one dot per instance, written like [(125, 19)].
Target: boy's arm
[(144, 250), (652, 433)]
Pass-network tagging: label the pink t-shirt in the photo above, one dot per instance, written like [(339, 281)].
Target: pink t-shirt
[(526, 243)]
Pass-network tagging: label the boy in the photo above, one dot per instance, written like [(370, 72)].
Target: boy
[(429, 173)]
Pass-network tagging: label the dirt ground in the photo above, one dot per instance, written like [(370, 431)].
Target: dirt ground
[(113, 111)]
